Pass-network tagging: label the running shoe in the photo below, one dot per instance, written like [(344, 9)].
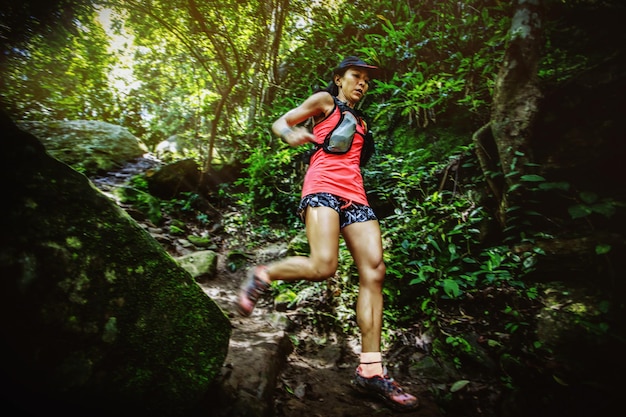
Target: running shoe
[(387, 389), (251, 289)]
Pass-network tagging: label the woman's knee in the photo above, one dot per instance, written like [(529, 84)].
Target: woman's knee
[(323, 270), (374, 275)]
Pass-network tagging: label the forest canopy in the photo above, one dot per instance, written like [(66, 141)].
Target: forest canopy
[(218, 72)]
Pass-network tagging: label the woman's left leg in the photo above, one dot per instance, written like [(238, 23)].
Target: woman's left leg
[(364, 242)]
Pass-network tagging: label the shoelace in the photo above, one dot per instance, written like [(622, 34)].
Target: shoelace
[(392, 386)]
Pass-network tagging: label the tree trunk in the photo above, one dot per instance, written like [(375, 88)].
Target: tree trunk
[(225, 52), (515, 103)]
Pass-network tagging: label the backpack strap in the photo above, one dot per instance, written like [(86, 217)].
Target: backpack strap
[(368, 147), (357, 113)]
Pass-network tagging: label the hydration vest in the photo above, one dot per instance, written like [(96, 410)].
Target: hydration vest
[(339, 139)]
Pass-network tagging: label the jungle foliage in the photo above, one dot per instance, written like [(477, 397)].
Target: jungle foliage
[(218, 73)]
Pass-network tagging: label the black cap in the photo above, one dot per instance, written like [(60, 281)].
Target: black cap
[(353, 61)]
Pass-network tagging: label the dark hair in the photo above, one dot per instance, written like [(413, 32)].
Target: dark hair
[(332, 88)]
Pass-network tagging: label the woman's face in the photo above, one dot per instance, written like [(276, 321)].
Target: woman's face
[(353, 84)]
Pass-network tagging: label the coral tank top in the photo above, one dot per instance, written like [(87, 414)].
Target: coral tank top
[(338, 174)]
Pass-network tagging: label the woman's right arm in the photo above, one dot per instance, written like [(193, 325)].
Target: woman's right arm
[(313, 106)]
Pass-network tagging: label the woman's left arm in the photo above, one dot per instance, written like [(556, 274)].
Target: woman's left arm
[(312, 106)]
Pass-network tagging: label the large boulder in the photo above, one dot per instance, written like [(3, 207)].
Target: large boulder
[(172, 179), (88, 146), (200, 264), (96, 318)]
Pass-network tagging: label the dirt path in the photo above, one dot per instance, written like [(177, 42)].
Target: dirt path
[(312, 386), (310, 380)]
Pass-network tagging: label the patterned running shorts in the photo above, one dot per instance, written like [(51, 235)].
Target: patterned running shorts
[(348, 212)]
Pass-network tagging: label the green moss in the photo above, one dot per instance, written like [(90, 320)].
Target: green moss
[(175, 230), (114, 303), (200, 241)]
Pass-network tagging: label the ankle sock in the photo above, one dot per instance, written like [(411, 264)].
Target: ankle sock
[(371, 364)]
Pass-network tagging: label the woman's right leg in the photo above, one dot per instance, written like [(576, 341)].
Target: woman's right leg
[(322, 230)]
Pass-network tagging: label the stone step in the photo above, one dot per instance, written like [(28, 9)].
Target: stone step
[(258, 350)]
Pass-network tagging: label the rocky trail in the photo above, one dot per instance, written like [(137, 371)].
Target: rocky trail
[(265, 375), (275, 367)]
